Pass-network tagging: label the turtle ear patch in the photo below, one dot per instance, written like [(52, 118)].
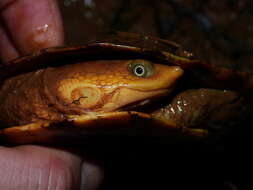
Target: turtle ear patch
[(85, 96)]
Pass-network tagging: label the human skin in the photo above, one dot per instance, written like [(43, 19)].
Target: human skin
[(26, 26)]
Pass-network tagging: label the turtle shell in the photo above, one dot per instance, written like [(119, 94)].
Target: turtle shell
[(131, 45), (120, 45), (127, 123)]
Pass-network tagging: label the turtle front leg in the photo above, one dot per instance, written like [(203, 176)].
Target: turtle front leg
[(203, 112)]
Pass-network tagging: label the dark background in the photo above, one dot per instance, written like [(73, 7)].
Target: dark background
[(219, 32)]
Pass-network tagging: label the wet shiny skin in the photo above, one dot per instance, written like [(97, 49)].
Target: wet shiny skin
[(93, 86)]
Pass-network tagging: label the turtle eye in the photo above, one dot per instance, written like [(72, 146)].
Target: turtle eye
[(141, 68)]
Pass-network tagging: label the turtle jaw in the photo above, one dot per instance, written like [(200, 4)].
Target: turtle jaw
[(126, 99)]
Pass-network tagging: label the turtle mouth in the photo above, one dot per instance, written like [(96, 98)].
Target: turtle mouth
[(149, 104)]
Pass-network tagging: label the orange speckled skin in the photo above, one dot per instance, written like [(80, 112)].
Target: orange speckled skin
[(52, 94)]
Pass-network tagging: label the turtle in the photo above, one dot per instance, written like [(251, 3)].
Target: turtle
[(125, 84)]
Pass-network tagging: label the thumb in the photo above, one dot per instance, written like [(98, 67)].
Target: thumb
[(35, 167)]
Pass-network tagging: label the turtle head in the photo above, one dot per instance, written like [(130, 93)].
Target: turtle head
[(109, 85)]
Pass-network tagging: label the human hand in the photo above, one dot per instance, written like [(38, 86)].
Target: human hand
[(26, 26), (34, 167)]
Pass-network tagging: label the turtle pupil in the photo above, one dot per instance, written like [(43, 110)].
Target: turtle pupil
[(139, 70)]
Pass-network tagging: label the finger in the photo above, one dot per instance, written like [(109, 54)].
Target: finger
[(35, 167), (7, 50), (32, 25)]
